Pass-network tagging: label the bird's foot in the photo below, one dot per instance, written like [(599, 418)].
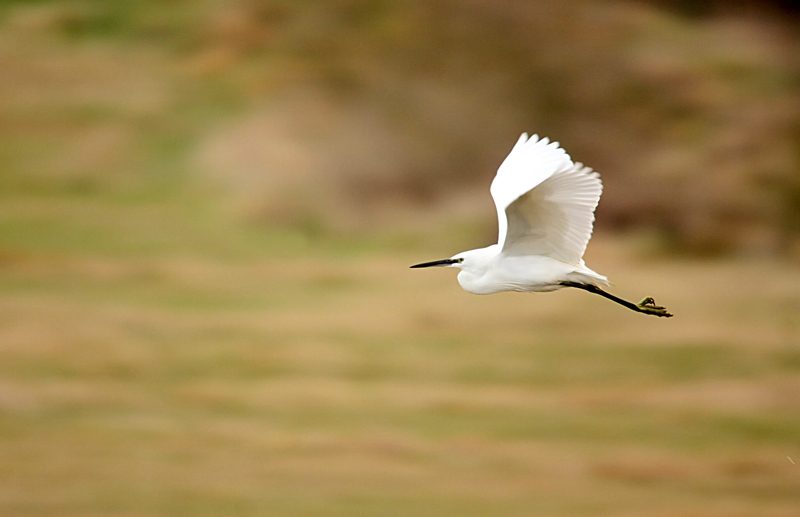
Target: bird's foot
[(648, 306)]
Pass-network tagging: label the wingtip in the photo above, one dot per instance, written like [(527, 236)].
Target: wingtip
[(536, 140)]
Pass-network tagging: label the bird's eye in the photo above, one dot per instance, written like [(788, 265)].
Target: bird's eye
[(461, 260)]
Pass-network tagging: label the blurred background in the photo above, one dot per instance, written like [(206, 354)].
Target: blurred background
[(208, 208)]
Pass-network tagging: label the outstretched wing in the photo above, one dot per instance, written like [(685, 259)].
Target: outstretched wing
[(545, 203)]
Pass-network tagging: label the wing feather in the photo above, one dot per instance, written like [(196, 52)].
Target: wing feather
[(545, 203)]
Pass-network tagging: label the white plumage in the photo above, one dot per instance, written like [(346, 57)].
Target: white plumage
[(545, 210), (545, 203)]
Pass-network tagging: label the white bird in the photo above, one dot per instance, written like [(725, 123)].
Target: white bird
[(545, 210)]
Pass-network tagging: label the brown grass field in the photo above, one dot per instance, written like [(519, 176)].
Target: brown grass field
[(322, 381)]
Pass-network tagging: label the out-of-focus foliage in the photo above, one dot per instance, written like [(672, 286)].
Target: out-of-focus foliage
[(333, 113)]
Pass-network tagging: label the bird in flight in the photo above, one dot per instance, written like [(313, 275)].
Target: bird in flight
[(545, 210)]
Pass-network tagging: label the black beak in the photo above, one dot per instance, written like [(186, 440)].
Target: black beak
[(445, 262)]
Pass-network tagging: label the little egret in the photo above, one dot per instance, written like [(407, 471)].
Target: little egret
[(545, 210)]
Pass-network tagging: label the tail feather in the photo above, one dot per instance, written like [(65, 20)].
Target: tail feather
[(585, 275)]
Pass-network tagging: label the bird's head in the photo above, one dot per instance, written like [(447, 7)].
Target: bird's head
[(473, 259)]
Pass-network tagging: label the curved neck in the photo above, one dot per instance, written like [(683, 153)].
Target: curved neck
[(474, 268)]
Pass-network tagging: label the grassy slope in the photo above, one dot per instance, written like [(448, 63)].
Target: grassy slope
[(304, 386), (145, 372)]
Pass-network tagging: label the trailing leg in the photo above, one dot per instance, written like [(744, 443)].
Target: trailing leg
[(646, 306)]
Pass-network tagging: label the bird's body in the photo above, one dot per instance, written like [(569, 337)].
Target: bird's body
[(545, 208), (496, 272)]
